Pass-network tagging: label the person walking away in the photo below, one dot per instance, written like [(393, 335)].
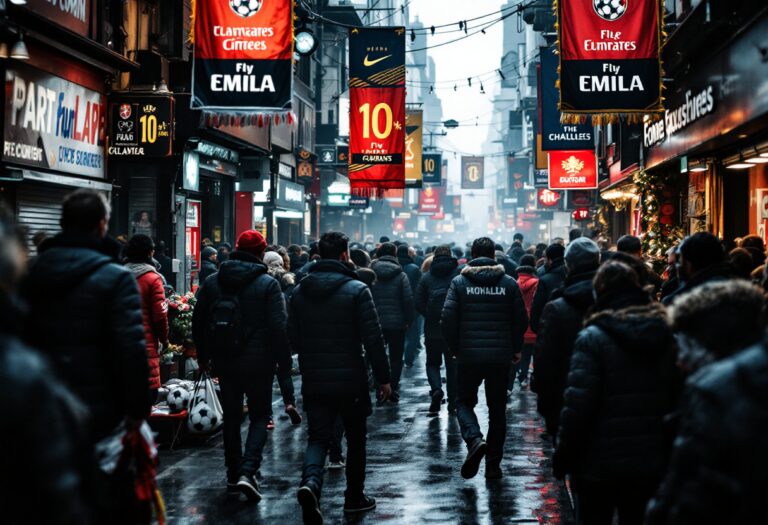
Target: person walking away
[(207, 263), (551, 277), (154, 309), (631, 245), (85, 317), (405, 256), (394, 303), (623, 381), (239, 328), (334, 371), (528, 282), (561, 322), (222, 254), (483, 320), (430, 298), (34, 467), (517, 250)]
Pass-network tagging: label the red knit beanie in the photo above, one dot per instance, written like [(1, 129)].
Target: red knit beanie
[(251, 241)]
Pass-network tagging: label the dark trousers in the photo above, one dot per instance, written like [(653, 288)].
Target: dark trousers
[(285, 382), (468, 380), (523, 367), (597, 502), (334, 447), (437, 350), (395, 340), (257, 388), (413, 340), (322, 419)]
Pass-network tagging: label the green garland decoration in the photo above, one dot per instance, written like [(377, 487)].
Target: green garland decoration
[(656, 238)]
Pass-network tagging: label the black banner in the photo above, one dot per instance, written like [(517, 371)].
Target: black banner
[(432, 168), (140, 125)]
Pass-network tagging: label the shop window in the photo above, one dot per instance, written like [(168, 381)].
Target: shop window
[(142, 207)]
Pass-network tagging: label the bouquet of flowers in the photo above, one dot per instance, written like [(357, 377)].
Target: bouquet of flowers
[(180, 309)]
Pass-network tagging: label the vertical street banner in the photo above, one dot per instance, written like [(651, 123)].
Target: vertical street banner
[(377, 118), (243, 56), (572, 170), (429, 200), (472, 173), (610, 63), (554, 135), (432, 164), (414, 136)]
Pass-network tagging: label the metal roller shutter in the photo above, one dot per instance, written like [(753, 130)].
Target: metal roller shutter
[(39, 208)]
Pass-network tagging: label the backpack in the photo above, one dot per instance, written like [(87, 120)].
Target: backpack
[(225, 327)]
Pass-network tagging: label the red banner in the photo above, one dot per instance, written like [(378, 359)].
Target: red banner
[(377, 110), (548, 198), (429, 200), (572, 170)]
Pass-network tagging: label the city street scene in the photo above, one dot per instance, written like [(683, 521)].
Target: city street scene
[(384, 262)]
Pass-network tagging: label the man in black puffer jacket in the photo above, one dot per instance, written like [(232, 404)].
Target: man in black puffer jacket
[(332, 318), (550, 279), (394, 302), (622, 384), (561, 321), (85, 317), (413, 335), (484, 320), (430, 298), (248, 369)]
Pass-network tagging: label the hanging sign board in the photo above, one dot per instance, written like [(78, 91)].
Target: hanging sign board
[(472, 173), (414, 136), (610, 61), (377, 110), (572, 170), (243, 55), (432, 168), (429, 200), (140, 126)]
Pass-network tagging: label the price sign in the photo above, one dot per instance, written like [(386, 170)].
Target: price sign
[(140, 126)]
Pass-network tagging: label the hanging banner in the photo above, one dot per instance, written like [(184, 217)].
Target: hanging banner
[(572, 170), (517, 173), (610, 62), (554, 135), (431, 168), (140, 125), (243, 56), (429, 200), (472, 173), (377, 119), (414, 136)]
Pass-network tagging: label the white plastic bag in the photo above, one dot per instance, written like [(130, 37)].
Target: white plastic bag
[(205, 412)]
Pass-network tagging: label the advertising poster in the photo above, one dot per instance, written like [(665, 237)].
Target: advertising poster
[(572, 170), (140, 126), (414, 135), (377, 110), (472, 173), (429, 200), (243, 58), (432, 164)]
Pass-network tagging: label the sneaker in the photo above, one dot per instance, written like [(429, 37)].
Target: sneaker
[(493, 471), (475, 455), (395, 397), (310, 507), (336, 464), (293, 413), (232, 487), (434, 405), (361, 503), (271, 424), (250, 487)]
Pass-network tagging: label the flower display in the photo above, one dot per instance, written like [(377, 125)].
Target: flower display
[(180, 310)]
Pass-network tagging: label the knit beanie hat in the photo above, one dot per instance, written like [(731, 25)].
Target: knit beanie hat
[(273, 260), (582, 255), (251, 241), (207, 252)]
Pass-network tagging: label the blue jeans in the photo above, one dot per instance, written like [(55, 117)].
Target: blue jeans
[(413, 340), (322, 419), (468, 381), (257, 388)]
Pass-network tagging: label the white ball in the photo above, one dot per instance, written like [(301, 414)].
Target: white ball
[(203, 418), (178, 399)]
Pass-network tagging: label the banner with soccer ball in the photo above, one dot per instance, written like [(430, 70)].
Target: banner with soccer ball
[(243, 57), (610, 61), (377, 119)]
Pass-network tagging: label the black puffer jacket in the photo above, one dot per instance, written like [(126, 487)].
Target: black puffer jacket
[(263, 313), (207, 268), (714, 273), (431, 293), (561, 322), (332, 318), (622, 383), (717, 474), (552, 279), (85, 316), (412, 270), (392, 294), (484, 317)]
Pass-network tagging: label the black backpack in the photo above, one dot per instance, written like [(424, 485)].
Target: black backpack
[(225, 329)]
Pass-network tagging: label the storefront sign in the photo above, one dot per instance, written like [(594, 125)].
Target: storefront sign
[(338, 199), (554, 135), (289, 195), (432, 164), (609, 56), (359, 202), (681, 114), (548, 198), (71, 14), (377, 124), (580, 198), (414, 136), (243, 55), (572, 170), (140, 126), (305, 171), (326, 155), (53, 123), (517, 171), (581, 214), (540, 178), (429, 200), (472, 173), (285, 170), (218, 152)]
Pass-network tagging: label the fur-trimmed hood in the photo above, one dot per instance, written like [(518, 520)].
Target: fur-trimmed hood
[(637, 328), (483, 271)]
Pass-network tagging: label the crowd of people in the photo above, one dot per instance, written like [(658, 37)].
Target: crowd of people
[(652, 387)]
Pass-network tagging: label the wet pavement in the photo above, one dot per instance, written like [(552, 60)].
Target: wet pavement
[(413, 471)]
